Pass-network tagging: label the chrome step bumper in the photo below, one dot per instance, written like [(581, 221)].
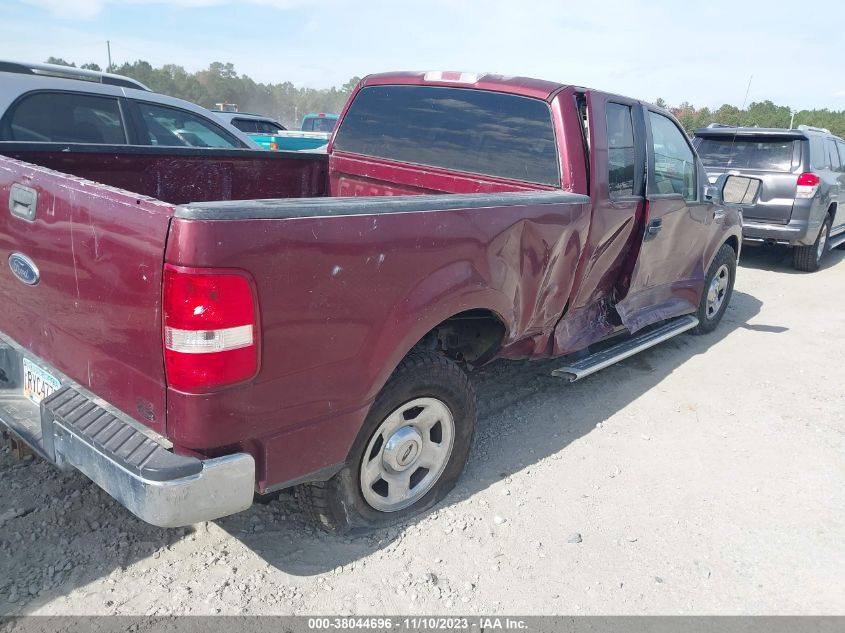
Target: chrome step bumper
[(71, 428), (627, 348)]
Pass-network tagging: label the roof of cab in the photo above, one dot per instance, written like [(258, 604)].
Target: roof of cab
[(524, 86)]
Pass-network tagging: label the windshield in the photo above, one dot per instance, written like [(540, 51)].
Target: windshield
[(747, 153)]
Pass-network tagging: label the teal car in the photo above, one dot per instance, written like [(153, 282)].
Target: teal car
[(320, 122), (270, 134)]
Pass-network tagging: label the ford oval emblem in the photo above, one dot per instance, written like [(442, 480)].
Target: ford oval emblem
[(24, 269)]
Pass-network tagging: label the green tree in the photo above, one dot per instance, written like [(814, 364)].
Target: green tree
[(58, 61)]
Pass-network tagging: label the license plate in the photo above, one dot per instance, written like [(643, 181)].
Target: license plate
[(37, 383)]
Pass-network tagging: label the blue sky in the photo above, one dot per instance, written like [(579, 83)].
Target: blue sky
[(703, 53)]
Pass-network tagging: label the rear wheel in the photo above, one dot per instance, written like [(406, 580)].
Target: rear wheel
[(809, 258), (718, 288), (409, 454)]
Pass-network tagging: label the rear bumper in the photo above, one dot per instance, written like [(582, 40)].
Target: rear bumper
[(757, 232), (801, 230), (73, 429)]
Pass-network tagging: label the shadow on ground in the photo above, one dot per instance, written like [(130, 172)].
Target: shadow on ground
[(778, 259), (504, 389), (59, 532)]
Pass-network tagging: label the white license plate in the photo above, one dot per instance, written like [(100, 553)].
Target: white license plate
[(37, 383)]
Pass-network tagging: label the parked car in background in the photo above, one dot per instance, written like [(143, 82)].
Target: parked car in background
[(46, 103), (802, 203), (319, 122), (271, 134), (261, 129), (185, 356)]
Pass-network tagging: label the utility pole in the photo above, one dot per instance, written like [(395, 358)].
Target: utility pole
[(792, 118), (108, 49)]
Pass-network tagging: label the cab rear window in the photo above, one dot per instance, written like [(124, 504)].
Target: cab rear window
[(747, 153), (471, 131)]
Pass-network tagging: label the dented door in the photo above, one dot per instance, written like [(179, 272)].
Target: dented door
[(668, 275)]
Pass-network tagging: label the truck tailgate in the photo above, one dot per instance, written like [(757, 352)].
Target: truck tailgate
[(93, 314)]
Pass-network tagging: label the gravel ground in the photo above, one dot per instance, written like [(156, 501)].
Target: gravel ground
[(703, 476)]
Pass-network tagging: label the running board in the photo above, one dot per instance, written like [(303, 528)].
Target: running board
[(836, 241), (627, 348)]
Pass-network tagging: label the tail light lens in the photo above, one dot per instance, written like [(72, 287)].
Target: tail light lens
[(808, 185), (274, 146), (210, 334)]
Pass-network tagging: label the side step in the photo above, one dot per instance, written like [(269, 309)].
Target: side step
[(836, 241), (627, 348)]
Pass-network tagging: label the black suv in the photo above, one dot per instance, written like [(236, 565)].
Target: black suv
[(802, 202)]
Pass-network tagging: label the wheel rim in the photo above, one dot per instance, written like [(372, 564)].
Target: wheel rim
[(822, 243), (717, 290), (407, 454)]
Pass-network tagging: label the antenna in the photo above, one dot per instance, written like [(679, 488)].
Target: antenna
[(747, 90), (736, 129), (108, 50)]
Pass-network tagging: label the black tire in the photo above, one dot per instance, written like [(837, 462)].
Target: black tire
[(724, 262), (338, 506), (808, 258)]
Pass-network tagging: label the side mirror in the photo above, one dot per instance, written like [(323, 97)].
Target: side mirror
[(732, 189)]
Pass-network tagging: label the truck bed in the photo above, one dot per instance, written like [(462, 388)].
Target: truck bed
[(179, 175)]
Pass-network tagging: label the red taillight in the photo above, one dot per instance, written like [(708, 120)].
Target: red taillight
[(807, 186), (808, 180), (209, 328)]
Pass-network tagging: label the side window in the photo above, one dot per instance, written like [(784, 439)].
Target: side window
[(266, 127), (244, 125), (174, 127), (841, 147), (65, 117), (818, 154), (674, 164), (834, 155), (620, 143)]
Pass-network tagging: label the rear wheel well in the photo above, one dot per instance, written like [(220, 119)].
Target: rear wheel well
[(733, 242), (471, 337), (831, 210)]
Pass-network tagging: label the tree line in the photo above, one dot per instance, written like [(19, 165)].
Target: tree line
[(759, 114), (283, 101), (220, 83)]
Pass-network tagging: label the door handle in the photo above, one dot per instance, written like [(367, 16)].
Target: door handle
[(23, 201), (653, 229)]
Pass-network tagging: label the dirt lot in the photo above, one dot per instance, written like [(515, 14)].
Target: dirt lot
[(704, 476)]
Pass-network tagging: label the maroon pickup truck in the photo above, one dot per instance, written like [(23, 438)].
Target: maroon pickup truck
[(190, 327)]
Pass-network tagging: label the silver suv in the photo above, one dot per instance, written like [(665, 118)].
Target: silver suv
[(802, 202), (45, 103)]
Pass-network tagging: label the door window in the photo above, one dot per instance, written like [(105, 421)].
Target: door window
[(841, 147), (65, 117), (620, 142), (174, 127), (267, 127), (674, 162)]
